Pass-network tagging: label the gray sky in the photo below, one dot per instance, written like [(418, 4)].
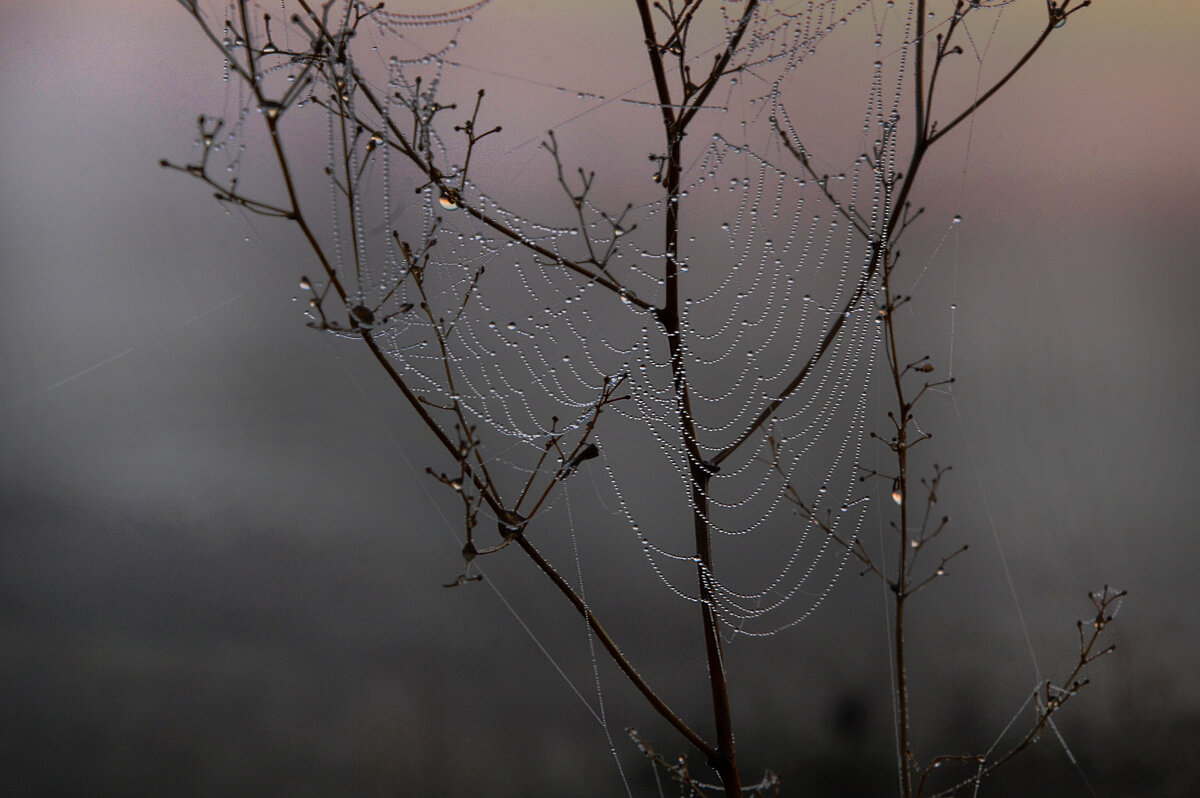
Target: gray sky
[(220, 568)]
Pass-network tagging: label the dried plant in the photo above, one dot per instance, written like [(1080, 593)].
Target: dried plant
[(740, 355)]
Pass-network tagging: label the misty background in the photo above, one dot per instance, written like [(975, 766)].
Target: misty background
[(221, 569)]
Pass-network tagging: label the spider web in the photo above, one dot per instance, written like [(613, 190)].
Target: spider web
[(774, 253)]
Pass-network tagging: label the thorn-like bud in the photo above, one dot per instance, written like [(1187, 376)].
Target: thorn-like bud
[(586, 453), (363, 315), (510, 524)]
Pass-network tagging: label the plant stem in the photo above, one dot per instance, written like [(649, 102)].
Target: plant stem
[(724, 759), (901, 584)]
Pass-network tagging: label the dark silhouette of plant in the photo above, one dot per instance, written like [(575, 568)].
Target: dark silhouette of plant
[(423, 303)]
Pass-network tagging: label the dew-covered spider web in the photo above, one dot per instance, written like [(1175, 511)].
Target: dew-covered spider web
[(511, 301), (499, 228)]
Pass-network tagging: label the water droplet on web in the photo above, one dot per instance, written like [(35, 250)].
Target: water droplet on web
[(823, 489), (956, 220), (896, 497), (512, 325), (305, 284), (449, 199)]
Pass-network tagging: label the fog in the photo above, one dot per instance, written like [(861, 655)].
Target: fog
[(221, 563)]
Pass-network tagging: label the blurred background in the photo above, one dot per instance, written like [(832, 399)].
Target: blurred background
[(221, 571)]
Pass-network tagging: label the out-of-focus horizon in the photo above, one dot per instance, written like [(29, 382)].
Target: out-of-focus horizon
[(221, 568)]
